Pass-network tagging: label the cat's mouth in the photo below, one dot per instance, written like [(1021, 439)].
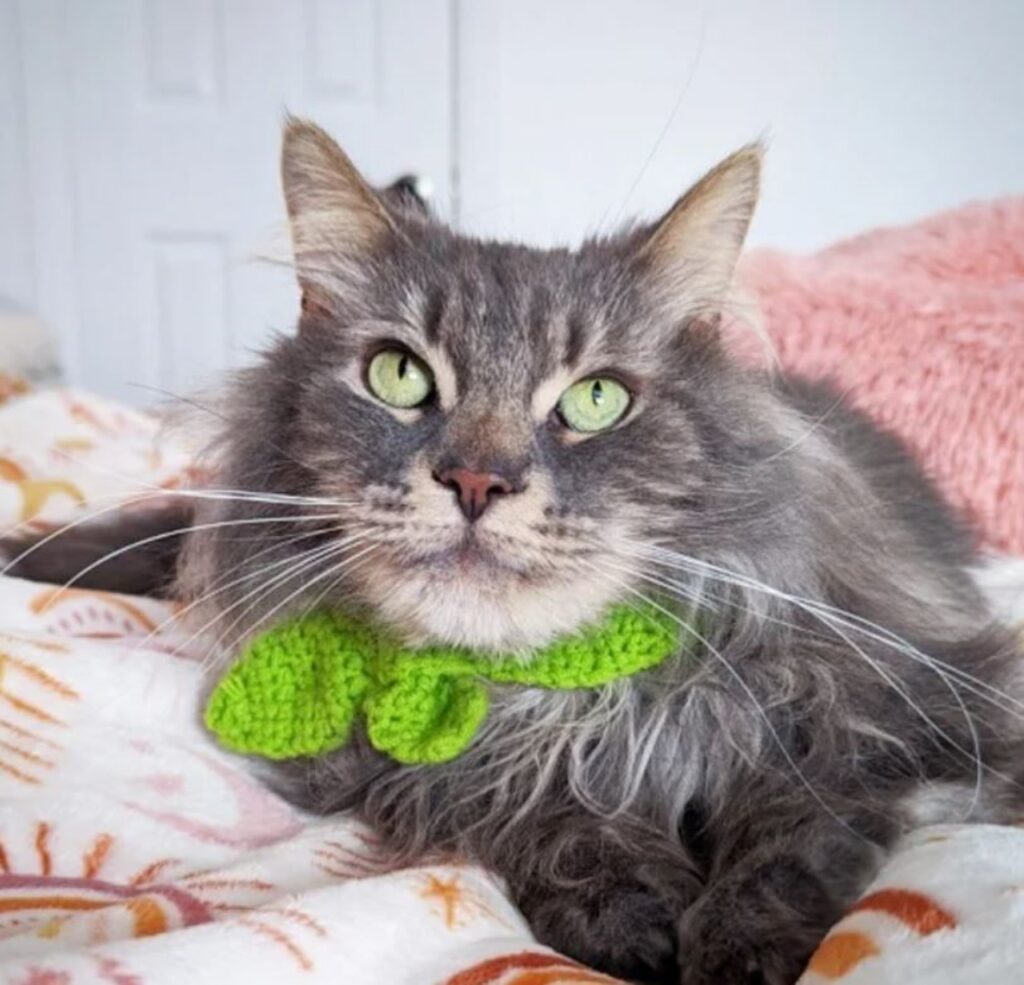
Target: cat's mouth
[(484, 586), (472, 554)]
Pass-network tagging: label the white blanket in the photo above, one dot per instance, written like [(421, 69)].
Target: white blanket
[(134, 852)]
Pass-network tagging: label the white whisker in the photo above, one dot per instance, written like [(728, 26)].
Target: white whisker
[(66, 528), (222, 584), (866, 627), (331, 571), (752, 697), (301, 563), (179, 531)]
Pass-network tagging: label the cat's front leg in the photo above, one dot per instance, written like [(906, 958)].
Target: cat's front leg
[(767, 909)]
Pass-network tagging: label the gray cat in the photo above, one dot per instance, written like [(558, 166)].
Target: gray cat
[(485, 444)]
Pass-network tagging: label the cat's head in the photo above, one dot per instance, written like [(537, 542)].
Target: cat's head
[(500, 423)]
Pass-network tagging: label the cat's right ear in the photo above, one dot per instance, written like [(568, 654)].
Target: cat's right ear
[(337, 220)]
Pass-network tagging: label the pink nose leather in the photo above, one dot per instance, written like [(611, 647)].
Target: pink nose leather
[(475, 491)]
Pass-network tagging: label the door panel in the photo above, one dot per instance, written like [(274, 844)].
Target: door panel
[(153, 140)]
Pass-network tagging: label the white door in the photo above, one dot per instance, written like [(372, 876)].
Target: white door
[(152, 144)]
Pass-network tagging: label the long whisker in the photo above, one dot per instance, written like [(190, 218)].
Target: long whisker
[(332, 571), (67, 527), (116, 500), (224, 583), (250, 496), (303, 564), (751, 696), (675, 587), (834, 618), (179, 531), (156, 491), (300, 564), (973, 755), (866, 627), (331, 586)]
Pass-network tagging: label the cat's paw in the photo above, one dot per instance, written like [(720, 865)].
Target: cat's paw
[(720, 945), (740, 965), (630, 935)]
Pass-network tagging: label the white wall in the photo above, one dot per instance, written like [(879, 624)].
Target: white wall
[(137, 137), (578, 112), (151, 131), (17, 276)]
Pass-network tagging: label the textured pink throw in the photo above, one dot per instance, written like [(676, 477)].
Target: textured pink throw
[(924, 326)]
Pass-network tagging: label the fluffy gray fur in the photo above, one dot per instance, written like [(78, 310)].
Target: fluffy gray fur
[(701, 823)]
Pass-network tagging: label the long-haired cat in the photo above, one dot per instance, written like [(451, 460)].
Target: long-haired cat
[(485, 444)]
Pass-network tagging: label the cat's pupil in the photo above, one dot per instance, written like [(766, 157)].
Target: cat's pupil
[(403, 365), (597, 393)]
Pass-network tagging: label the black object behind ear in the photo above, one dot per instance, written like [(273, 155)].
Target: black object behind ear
[(409, 194)]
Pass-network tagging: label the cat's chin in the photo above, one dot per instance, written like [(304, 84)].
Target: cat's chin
[(478, 603)]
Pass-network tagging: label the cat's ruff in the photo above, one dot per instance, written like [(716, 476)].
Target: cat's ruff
[(299, 688)]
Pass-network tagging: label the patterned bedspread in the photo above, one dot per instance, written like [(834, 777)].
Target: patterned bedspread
[(134, 852)]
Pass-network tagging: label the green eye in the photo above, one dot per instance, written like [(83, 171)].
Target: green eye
[(593, 404), (398, 378)]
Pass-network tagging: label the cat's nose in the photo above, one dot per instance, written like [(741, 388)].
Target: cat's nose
[(475, 491)]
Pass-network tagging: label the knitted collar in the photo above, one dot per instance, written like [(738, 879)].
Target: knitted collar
[(299, 689)]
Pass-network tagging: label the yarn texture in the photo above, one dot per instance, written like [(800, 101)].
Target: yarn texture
[(300, 689)]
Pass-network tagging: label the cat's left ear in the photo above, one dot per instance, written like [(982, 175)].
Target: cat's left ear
[(692, 251)]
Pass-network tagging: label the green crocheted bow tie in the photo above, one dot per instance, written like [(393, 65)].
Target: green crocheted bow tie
[(299, 689)]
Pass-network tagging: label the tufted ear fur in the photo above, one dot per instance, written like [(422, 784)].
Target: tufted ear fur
[(693, 249), (336, 218)]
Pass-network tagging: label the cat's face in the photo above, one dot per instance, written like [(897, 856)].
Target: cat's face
[(502, 423), (497, 519)]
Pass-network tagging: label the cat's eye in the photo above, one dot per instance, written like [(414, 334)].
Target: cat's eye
[(398, 378), (593, 404)]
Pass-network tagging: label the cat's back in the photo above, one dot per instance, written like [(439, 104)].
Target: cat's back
[(887, 463)]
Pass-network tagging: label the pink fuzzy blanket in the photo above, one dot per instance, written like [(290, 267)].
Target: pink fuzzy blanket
[(924, 325)]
